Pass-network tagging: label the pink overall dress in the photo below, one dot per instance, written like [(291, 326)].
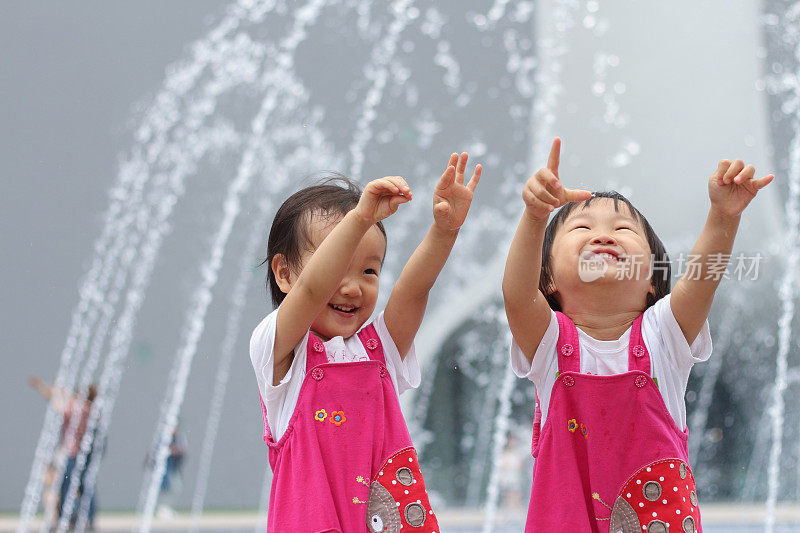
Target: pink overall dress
[(610, 456), (346, 463)]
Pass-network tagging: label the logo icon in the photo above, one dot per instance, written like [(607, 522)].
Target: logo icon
[(591, 267)]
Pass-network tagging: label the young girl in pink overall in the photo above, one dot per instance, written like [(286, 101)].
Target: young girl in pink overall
[(610, 349), (339, 448)]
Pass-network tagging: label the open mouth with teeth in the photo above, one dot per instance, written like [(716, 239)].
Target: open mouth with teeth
[(344, 310), (604, 256)]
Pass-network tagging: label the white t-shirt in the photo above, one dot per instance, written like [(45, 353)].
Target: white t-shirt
[(671, 357), (281, 399)]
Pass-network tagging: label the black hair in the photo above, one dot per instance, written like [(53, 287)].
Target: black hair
[(660, 281), (332, 197)]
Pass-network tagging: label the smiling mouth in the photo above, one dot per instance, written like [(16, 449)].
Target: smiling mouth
[(347, 310), (605, 256), (601, 256)]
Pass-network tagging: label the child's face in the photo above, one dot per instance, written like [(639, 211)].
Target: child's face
[(355, 297), (597, 246)]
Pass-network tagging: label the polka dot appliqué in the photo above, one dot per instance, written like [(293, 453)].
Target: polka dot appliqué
[(372, 344), (638, 350), (567, 350), (640, 381), (317, 374), (569, 381), (318, 347)]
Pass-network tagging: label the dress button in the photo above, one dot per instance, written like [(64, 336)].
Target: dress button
[(372, 344), (317, 373), (638, 350), (640, 381), (383, 371), (567, 350), (569, 381), (318, 347)]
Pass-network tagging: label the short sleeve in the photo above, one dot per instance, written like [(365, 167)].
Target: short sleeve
[(404, 371), (543, 359), (663, 320), (279, 399), (542, 371)]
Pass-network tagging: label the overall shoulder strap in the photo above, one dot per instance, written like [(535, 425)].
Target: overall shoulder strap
[(567, 348), (638, 356), (315, 352), (372, 343)]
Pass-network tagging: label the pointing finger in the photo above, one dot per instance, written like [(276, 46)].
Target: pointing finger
[(576, 195), (555, 156)]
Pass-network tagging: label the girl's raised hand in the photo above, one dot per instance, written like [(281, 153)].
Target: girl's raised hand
[(731, 187), (381, 198), (451, 198), (543, 192)]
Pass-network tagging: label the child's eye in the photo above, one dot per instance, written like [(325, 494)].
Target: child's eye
[(625, 227), (371, 271)]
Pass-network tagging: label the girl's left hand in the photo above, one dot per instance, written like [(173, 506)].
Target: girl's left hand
[(732, 186), (451, 198)]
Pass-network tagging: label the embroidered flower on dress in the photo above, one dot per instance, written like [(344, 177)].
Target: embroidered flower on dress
[(572, 425), (338, 418), (320, 415), (585, 431)]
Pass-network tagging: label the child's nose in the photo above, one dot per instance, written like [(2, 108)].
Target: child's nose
[(603, 238), (350, 287)]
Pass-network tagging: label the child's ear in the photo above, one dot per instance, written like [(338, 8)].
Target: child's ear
[(282, 272)]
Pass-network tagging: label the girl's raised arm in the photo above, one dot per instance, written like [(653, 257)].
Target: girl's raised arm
[(731, 188), (527, 309), (451, 200), (326, 267)]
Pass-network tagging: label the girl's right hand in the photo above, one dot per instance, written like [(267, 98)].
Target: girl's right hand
[(381, 198), (543, 192)]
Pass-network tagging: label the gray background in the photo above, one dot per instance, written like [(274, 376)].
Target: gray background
[(74, 79), (71, 75)]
